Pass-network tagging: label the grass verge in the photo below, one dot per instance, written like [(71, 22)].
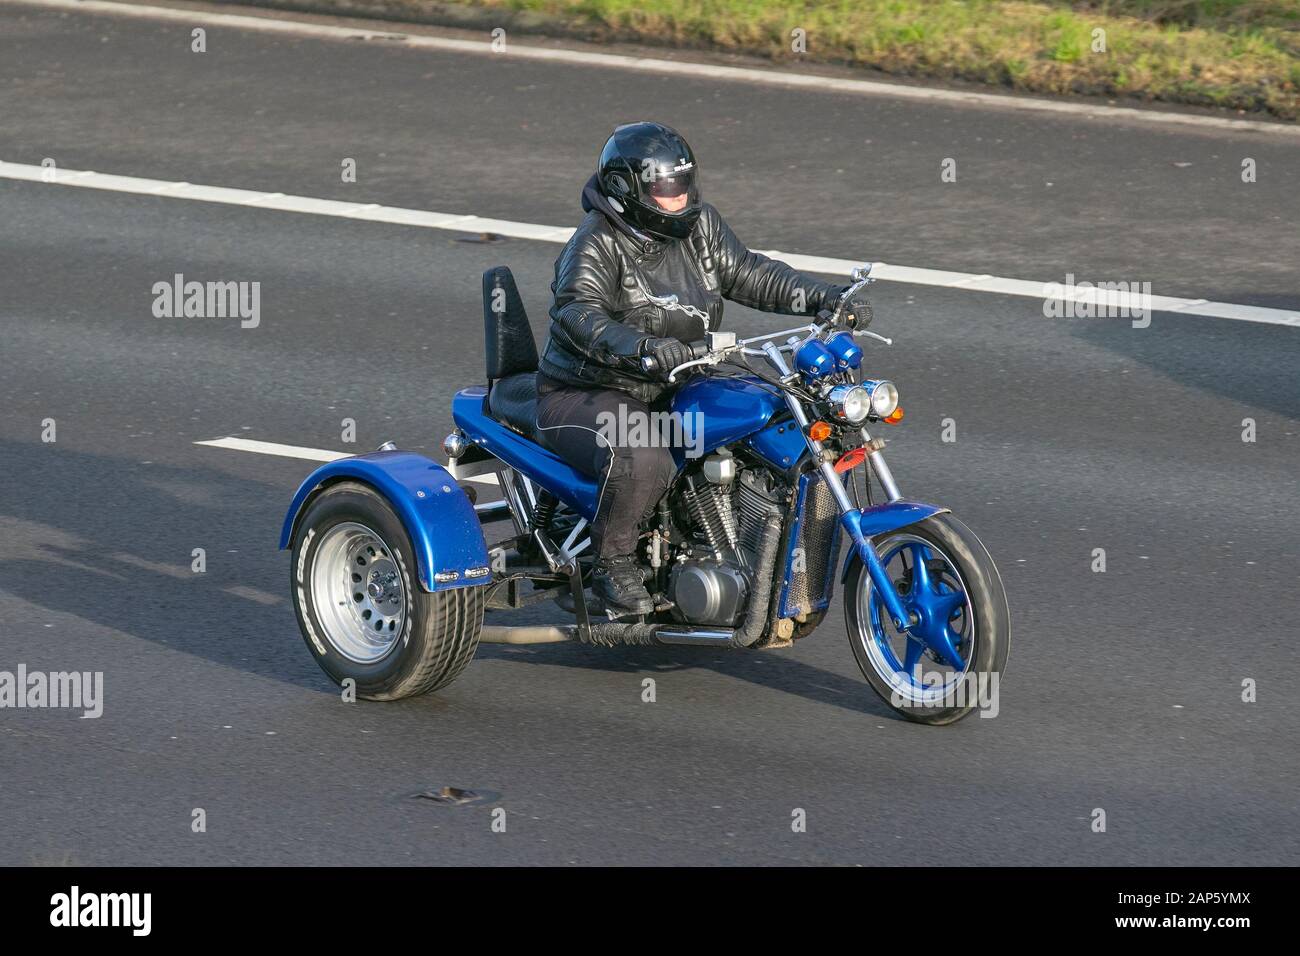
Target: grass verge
[(1236, 54)]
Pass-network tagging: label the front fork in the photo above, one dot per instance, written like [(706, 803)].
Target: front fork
[(850, 516)]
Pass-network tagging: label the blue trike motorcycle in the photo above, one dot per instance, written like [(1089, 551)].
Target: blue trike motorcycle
[(392, 569)]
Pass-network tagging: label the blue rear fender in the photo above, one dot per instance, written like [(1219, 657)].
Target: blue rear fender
[(439, 518)]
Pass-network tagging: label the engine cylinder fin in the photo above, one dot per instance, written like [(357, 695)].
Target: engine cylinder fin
[(756, 503), (710, 508)]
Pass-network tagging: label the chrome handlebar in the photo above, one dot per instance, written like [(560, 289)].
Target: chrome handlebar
[(861, 279), (716, 355), (722, 344)]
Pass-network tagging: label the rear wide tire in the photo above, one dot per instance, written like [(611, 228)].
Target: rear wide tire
[(435, 634)]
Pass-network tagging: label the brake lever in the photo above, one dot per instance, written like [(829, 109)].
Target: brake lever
[(707, 360), (878, 338)]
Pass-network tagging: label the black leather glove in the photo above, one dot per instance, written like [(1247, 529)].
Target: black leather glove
[(667, 354), (856, 312)]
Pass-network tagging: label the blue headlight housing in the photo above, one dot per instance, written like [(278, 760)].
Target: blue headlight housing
[(848, 354), (814, 359)]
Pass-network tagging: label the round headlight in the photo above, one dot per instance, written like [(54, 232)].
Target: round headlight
[(850, 402), (884, 399)]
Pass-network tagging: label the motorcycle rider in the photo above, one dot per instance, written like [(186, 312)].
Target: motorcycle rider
[(646, 232)]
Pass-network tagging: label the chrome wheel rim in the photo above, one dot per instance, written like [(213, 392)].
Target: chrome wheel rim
[(358, 593), (923, 674)]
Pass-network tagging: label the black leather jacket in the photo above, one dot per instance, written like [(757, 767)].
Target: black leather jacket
[(601, 312)]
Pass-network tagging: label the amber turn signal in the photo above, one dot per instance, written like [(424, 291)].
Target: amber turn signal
[(819, 431), (894, 417)]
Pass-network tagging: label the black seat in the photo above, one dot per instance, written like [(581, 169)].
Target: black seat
[(513, 402), (511, 354)]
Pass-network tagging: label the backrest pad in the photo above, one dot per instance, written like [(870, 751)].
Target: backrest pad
[(507, 336)]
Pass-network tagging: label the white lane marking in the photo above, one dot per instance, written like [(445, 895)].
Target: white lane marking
[(884, 271), (252, 594), (675, 68), (306, 454), (272, 448)]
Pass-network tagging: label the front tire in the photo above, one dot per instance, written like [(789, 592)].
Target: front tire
[(360, 607), (953, 585)]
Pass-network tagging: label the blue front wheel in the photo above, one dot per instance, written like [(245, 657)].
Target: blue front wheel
[(951, 659)]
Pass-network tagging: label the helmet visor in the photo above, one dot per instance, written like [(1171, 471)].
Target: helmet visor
[(670, 187), (668, 180)]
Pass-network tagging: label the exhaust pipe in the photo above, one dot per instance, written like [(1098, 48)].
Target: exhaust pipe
[(526, 635), (708, 637), (609, 634)]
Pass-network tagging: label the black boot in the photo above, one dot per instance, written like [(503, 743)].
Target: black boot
[(618, 584)]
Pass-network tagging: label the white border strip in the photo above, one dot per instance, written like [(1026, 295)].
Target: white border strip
[(370, 212), (315, 454), (677, 68)]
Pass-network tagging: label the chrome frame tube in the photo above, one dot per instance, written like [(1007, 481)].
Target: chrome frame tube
[(532, 496), (493, 510), (518, 512)]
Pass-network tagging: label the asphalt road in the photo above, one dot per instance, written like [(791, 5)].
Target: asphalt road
[(1124, 690)]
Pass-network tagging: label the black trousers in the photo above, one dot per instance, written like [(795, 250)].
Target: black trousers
[(634, 474)]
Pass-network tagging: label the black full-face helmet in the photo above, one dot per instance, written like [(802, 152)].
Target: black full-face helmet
[(648, 173)]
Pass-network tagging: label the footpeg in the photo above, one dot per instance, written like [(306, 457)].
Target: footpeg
[(619, 615)]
